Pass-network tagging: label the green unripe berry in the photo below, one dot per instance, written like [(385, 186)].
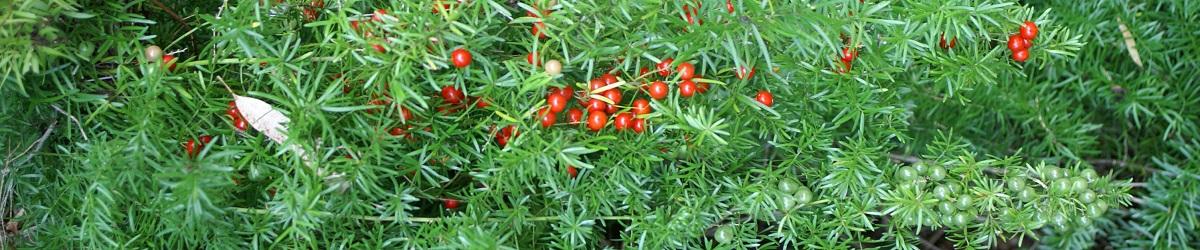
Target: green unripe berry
[(1051, 173), (1087, 196), (1089, 174), (787, 202), (961, 219), (788, 186), (1059, 220), (946, 208), (906, 173), (1027, 194), (724, 234), (803, 196), (1098, 208), (1009, 212), (1102, 205), (937, 173), (953, 187), (941, 192), (964, 202), (1078, 184), (1060, 186), (1085, 221), (1016, 184), (920, 167)]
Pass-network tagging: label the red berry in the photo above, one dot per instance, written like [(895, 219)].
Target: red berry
[(240, 124), (510, 131), (310, 14), (379, 48), (729, 6), (169, 61), (436, 8), (571, 171), (450, 203), (848, 55), (664, 67), (205, 139), (641, 106), (537, 30), (408, 116), (622, 121), (608, 79), (1029, 30), (378, 16), (658, 90), (614, 95), (402, 132), (354, 25), (702, 87), (687, 88), (1015, 43), (687, 12), (644, 72), (460, 57), (1028, 44), (1020, 55), (596, 105), (481, 103), (639, 125), (233, 113), (317, 4), (574, 115), (452, 95), (556, 102), (377, 102), (565, 91), (686, 70), (532, 60), (547, 117), (191, 148), (596, 84), (596, 120), (502, 141), (765, 97), (743, 74)]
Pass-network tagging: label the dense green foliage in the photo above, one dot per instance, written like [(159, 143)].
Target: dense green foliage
[(1088, 143)]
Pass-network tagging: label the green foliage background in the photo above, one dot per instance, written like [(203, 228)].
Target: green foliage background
[(93, 133)]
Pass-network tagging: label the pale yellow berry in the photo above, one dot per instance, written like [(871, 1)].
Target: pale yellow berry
[(153, 53), (553, 67)]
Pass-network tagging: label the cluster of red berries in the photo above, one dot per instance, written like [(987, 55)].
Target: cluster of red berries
[(1020, 42), (193, 148), (505, 134), (598, 109), (239, 122)]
